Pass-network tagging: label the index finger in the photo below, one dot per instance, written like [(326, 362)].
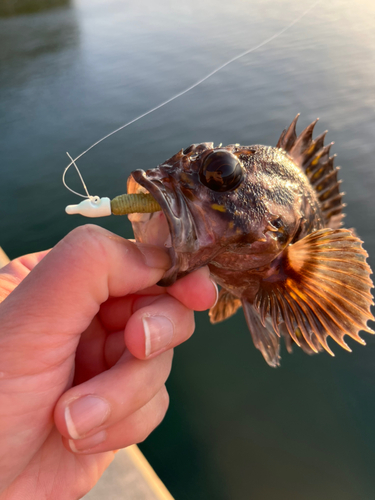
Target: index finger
[(196, 291)]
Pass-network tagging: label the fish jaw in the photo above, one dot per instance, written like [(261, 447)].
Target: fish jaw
[(173, 228)]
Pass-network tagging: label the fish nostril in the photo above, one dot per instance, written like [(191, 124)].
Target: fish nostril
[(188, 150), (278, 223)]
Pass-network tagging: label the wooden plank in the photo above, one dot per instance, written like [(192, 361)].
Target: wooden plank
[(4, 260), (129, 477), (148, 473)]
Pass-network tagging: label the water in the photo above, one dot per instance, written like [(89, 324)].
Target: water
[(236, 429)]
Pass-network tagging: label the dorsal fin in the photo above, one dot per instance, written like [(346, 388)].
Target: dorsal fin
[(313, 158)]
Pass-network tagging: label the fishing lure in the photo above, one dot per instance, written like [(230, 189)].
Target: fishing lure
[(267, 221)]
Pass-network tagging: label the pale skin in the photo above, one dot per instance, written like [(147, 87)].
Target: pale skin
[(86, 345)]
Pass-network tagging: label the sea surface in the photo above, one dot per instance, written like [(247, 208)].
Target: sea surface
[(236, 428)]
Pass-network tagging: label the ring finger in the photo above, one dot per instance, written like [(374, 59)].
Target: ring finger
[(131, 430), (112, 396)]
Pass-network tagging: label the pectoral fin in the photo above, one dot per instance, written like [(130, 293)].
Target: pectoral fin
[(321, 288), (226, 306)]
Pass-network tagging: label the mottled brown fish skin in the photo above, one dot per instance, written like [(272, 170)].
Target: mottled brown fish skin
[(274, 205), (241, 210)]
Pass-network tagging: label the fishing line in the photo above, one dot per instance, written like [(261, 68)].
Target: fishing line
[(81, 178), (183, 92)]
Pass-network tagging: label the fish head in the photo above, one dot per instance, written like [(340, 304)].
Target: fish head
[(213, 203)]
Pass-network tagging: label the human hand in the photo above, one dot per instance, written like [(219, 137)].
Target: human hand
[(85, 349)]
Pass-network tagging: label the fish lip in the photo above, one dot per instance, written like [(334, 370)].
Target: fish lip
[(179, 218)]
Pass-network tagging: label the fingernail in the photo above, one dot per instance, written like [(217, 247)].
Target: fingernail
[(159, 332), (154, 256), (84, 414), (87, 443), (216, 291)]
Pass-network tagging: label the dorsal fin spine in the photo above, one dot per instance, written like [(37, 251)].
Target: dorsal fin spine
[(330, 192), (288, 136), (327, 167), (303, 141), (313, 158), (327, 180), (335, 200)]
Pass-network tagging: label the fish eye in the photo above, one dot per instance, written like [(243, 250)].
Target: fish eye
[(221, 171)]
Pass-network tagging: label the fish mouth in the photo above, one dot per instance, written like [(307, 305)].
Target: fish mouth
[(173, 228)]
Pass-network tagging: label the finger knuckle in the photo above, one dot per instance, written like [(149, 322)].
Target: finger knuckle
[(86, 241), (145, 432), (84, 233), (164, 396), (191, 326), (166, 357), (156, 415)]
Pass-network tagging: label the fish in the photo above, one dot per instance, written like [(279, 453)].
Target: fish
[(267, 221)]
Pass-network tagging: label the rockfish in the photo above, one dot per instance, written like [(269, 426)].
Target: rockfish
[(267, 221)]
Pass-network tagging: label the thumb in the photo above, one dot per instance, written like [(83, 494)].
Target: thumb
[(44, 316)]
